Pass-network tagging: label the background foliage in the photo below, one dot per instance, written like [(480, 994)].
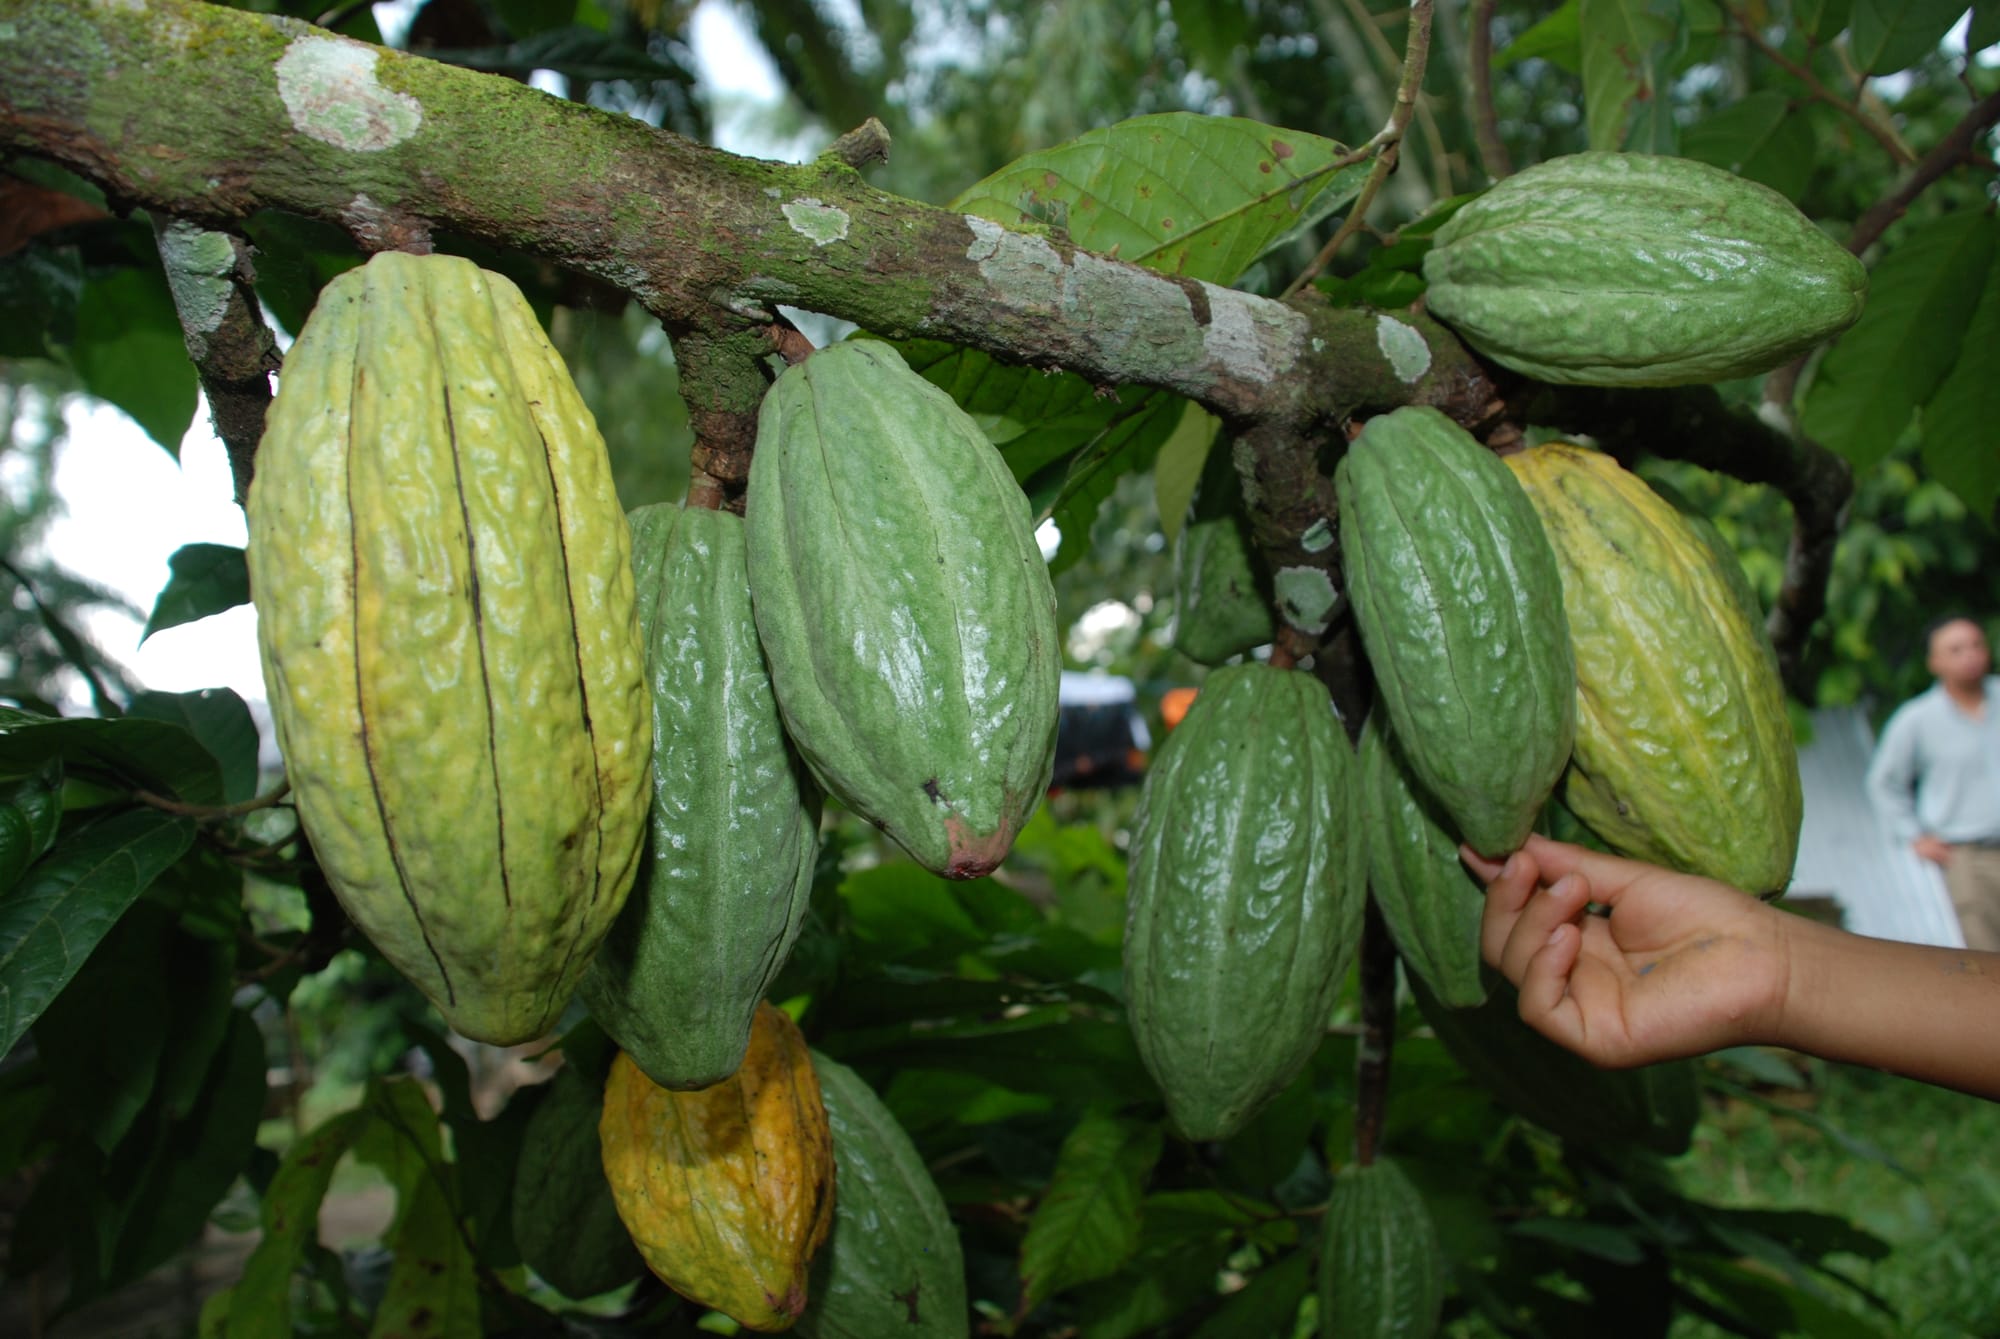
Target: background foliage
[(193, 1034)]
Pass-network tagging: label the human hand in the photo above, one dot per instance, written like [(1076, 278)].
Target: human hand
[(1934, 849), (1681, 966)]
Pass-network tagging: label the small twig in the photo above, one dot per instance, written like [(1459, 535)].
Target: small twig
[(866, 143), (1882, 134), (1485, 119), (1384, 145), (211, 812)]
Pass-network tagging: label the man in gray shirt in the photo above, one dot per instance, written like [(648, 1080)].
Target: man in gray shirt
[(1935, 779)]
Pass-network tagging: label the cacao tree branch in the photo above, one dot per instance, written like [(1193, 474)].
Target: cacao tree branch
[(231, 348), (1485, 119), (211, 114), (1692, 423), (722, 379), (1946, 154), (1878, 130)]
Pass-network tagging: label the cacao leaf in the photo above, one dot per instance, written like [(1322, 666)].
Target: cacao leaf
[(1760, 139), (1556, 39), (1087, 1225), (157, 755), (432, 1288), (564, 1218), (52, 920), (1177, 468), (221, 721), (1984, 30), (129, 351), (30, 809), (1921, 299), (1958, 420), (202, 579), (1892, 35), (1160, 1284), (1623, 55), (1267, 1304)]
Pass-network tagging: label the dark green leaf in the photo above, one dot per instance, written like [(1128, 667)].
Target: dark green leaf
[(39, 289), (1958, 422), (221, 721), (576, 52), (129, 351), (30, 811), (1769, 1305), (928, 1099), (155, 755), (525, 17), (1821, 19), (1267, 1304), (433, 1287), (101, 1039), (1921, 298), (72, 896), (1266, 1151), (202, 579), (564, 1220), (1176, 471), (900, 909), (1087, 1225), (1128, 444), (1892, 35), (1557, 39), (1210, 33), (1760, 138), (262, 1298), (1073, 1058), (1601, 1240), (1624, 47), (1984, 30), (1158, 1287)]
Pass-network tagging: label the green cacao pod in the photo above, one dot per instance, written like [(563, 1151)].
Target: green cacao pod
[(903, 605), (1430, 901), (1222, 599), (1655, 1107), (734, 828), (892, 1265), (444, 589), (1684, 752), (727, 1192), (1619, 269), (1460, 608), (1246, 888), (1381, 1270)]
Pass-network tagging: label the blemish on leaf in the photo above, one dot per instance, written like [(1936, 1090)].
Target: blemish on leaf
[(1280, 150), (931, 789), (329, 88)]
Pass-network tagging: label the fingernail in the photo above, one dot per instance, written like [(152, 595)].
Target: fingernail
[(1512, 867), (1555, 934)]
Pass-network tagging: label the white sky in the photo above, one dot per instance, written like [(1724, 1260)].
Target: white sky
[(126, 506)]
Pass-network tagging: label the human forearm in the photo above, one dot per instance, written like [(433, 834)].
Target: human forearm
[(1927, 1013)]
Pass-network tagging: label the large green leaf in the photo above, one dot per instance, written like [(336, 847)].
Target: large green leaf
[(1892, 35), (433, 1288), (202, 579), (1087, 1225), (1624, 52), (1761, 138), (564, 1219), (221, 721), (1921, 299), (1556, 39), (69, 899), (1984, 30), (30, 813), (129, 350), (1959, 421), (154, 755), (1267, 1304)]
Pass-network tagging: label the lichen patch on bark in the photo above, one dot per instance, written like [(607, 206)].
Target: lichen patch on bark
[(330, 91)]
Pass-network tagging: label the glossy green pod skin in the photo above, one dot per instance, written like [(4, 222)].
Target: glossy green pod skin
[(1245, 894), (1427, 897), (1460, 607), (904, 606), (1625, 269), (1381, 1268), (1684, 750), (892, 1265), (443, 581), (733, 832)]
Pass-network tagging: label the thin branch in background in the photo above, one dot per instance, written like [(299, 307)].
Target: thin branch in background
[(1878, 129), (1485, 120), (1385, 54), (1385, 144)]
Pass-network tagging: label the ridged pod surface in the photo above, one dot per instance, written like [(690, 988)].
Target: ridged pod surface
[(727, 1192), (1428, 898), (1460, 607), (903, 605), (892, 1266), (1381, 1267), (1655, 1107), (1619, 269), (1222, 601), (444, 591), (1684, 751), (734, 828), (1246, 890)]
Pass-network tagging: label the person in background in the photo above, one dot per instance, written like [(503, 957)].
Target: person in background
[(1684, 965), (1935, 777)]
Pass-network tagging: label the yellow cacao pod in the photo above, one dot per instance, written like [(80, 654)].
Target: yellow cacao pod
[(443, 581), (728, 1190)]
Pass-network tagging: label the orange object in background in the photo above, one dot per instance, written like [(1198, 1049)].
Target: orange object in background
[(1174, 704)]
